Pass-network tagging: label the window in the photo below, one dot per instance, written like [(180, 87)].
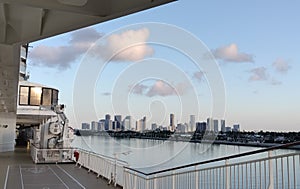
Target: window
[(35, 96), (47, 97), (23, 100), (54, 97)]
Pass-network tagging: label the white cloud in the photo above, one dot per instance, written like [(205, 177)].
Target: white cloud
[(231, 53), (258, 74), (128, 46), (281, 66), (159, 88), (63, 56)]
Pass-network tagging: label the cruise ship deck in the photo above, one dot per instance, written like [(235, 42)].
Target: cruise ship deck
[(18, 171)]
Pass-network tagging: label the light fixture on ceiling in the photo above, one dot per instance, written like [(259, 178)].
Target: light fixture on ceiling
[(78, 3)]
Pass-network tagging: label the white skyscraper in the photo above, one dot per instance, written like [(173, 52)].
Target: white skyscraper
[(127, 123), (94, 125), (216, 125), (141, 125), (192, 123), (209, 124)]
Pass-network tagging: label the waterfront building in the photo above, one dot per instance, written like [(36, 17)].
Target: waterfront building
[(236, 128), (118, 120), (216, 125), (114, 125), (107, 122), (192, 123), (137, 125), (144, 124), (209, 125), (201, 126), (94, 125), (172, 124), (101, 125), (181, 128), (85, 126), (228, 129), (141, 125), (223, 127), (153, 126), (127, 123)]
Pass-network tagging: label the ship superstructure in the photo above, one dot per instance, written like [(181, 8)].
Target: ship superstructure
[(41, 121)]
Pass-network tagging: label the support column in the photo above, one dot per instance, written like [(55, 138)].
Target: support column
[(9, 78)]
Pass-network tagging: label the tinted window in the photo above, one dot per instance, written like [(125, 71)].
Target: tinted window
[(35, 95), (47, 96), (54, 97), (24, 95)]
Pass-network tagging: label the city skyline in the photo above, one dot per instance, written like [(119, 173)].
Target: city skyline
[(141, 125), (257, 55)]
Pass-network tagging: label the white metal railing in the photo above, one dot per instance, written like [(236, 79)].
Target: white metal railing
[(51, 155), (104, 166), (270, 172)]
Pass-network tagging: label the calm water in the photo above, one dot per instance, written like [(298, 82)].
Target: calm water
[(150, 155)]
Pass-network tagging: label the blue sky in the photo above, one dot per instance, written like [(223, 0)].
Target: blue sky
[(255, 43)]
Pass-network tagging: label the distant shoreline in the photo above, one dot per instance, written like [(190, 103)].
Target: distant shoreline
[(225, 142)]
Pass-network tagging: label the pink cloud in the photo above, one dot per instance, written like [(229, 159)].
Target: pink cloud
[(231, 53)]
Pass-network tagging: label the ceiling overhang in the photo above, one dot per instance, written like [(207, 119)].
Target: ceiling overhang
[(30, 20)]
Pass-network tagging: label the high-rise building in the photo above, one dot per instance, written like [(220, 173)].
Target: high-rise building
[(228, 129), (101, 125), (144, 123), (209, 124), (127, 123), (94, 125), (137, 125), (107, 122), (216, 125), (141, 124), (172, 123), (223, 126), (118, 120), (110, 125), (192, 123), (114, 125), (153, 126), (180, 128), (236, 128), (85, 126), (200, 127)]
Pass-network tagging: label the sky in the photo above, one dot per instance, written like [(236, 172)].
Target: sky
[(255, 48)]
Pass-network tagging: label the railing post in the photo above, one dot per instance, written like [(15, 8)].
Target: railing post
[(154, 182), (173, 180), (89, 165), (196, 178), (147, 182), (115, 171), (227, 167), (135, 180), (271, 176)]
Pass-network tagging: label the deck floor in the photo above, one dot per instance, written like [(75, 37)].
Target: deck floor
[(18, 171)]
